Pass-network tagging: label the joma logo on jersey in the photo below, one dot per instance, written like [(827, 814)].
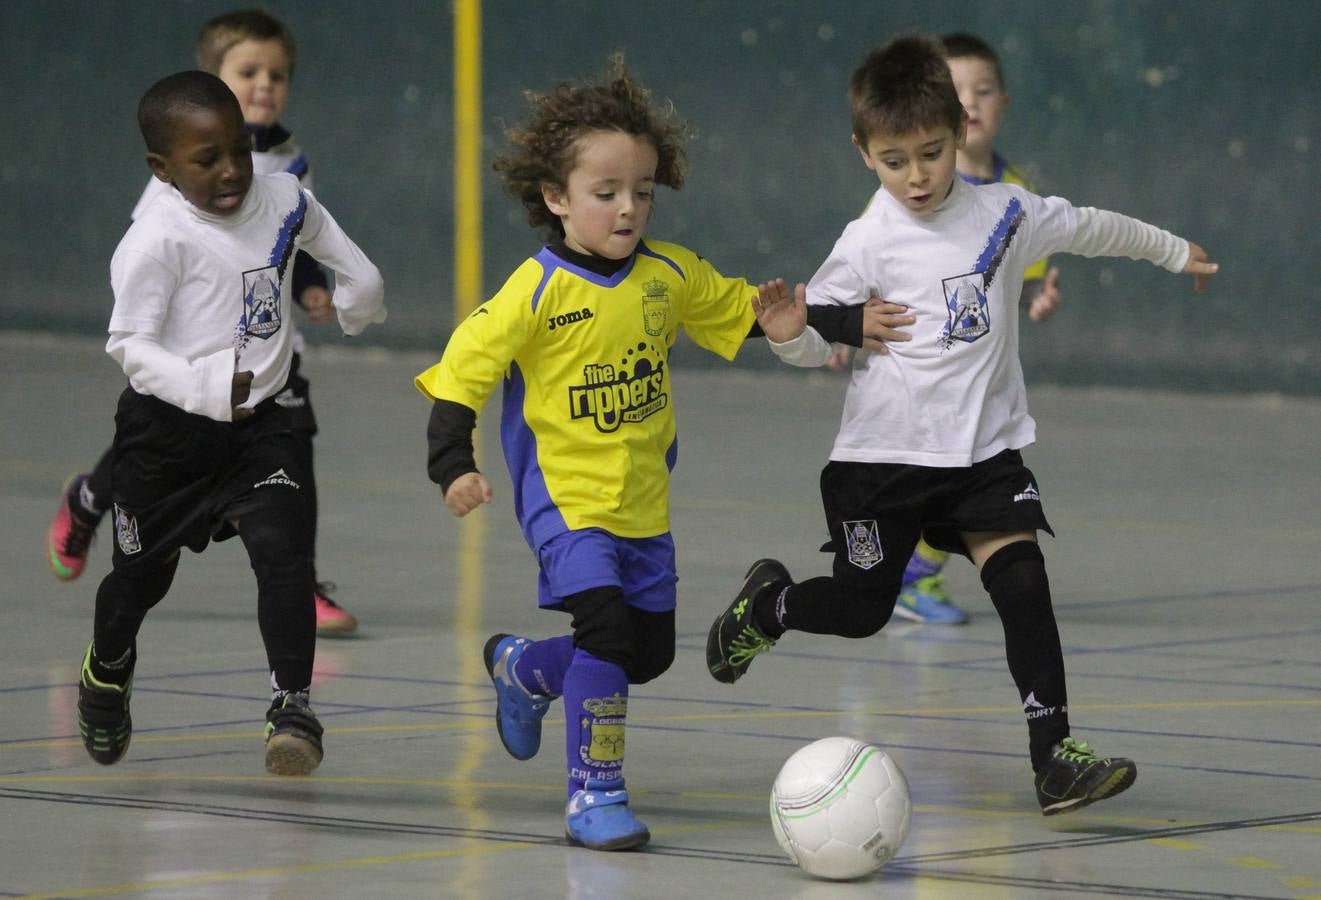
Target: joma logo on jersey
[(610, 397), (568, 319)]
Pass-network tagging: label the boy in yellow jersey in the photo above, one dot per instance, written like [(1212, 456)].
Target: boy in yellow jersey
[(980, 84), (579, 337)]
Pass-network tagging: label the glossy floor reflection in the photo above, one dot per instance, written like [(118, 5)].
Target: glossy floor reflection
[(1186, 579)]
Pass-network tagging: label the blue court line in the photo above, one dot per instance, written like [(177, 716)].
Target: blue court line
[(962, 751), (671, 728), (1233, 594)]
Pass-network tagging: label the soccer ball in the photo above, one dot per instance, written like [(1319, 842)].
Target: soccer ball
[(840, 808)]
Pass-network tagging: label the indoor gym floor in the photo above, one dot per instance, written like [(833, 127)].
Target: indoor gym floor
[(1186, 578)]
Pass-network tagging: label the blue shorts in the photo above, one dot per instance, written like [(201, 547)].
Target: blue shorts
[(643, 568)]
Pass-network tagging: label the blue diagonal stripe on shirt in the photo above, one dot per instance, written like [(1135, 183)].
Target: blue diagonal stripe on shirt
[(285, 240), (998, 241)]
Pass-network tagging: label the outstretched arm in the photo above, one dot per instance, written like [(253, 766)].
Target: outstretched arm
[(1101, 232)]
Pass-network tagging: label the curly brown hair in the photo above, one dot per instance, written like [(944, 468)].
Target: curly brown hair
[(543, 150)]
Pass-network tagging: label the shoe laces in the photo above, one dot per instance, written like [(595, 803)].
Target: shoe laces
[(748, 644), (325, 588), (79, 536), (933, 586), (1074, 752)]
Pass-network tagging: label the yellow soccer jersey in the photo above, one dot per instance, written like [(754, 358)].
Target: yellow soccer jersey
[(587, 426), (1012, 175)]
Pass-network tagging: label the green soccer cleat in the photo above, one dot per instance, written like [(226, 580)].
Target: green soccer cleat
[(103, 718), (1074, 776), (735, 638)]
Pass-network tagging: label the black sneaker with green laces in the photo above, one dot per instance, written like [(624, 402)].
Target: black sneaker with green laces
[(1074, 776), (735, 638), (293, 736), (103, 719)]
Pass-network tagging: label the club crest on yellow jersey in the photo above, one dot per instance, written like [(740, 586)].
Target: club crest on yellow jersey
[(655, 307)]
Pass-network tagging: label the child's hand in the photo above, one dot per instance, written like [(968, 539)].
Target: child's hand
[(239, 391), (316, 303), (467, 492), (881, 321), (782, 315), (1048, 299), (838, 360), (1199, 266)]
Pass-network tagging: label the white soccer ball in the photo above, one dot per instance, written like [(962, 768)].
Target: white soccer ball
[(840, 808)]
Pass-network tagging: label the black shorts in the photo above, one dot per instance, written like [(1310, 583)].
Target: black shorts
[(178, 477), (296, 398), (877, 511)]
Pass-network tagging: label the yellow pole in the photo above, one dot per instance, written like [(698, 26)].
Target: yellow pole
[(467, 157), (469, 587)]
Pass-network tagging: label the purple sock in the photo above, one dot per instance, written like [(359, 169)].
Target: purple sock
[(595, 704), (542, 666), (924, 562)]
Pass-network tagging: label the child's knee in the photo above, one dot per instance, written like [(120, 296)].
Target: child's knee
[(602, 626), (276, 542)]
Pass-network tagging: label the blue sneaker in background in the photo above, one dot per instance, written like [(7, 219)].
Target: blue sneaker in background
[(518, 713), (926, 601)]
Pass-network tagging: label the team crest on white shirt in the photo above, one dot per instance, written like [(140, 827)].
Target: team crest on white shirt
[(261, 302), (863, 540), (655, 306), (969, 315)]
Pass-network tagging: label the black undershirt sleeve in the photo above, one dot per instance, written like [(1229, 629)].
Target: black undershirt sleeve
[(837, 324), (449, 442)]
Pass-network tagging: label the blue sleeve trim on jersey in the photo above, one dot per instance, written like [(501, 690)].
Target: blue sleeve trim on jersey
[(547, 270), (647, 251), (538, 516), (284, 241), (546, 256), (672, 454), (298, 167)]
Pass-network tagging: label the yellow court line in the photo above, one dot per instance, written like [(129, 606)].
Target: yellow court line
[(480, 848), (469, 617)]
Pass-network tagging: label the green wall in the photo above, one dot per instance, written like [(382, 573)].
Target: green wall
[(1198, 116)]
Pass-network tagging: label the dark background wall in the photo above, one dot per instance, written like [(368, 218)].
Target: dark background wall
[(1198, 116)]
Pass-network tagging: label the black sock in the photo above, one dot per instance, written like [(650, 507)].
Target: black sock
[(768, 609), (1015, 577)]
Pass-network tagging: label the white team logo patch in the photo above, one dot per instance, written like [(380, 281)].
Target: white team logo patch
[(969, 313), (864, 543), (126, 531), (1029, 493), (261, 302), (278, 477)]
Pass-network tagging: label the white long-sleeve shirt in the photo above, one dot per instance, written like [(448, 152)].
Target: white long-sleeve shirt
[(199, 297), (954, 395)]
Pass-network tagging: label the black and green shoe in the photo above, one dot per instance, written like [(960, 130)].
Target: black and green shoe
[(735, 638), (1074, 776), (103, 719), (293, 736)]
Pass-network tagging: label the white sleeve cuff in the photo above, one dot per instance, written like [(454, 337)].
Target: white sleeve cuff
[(807, 350)]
